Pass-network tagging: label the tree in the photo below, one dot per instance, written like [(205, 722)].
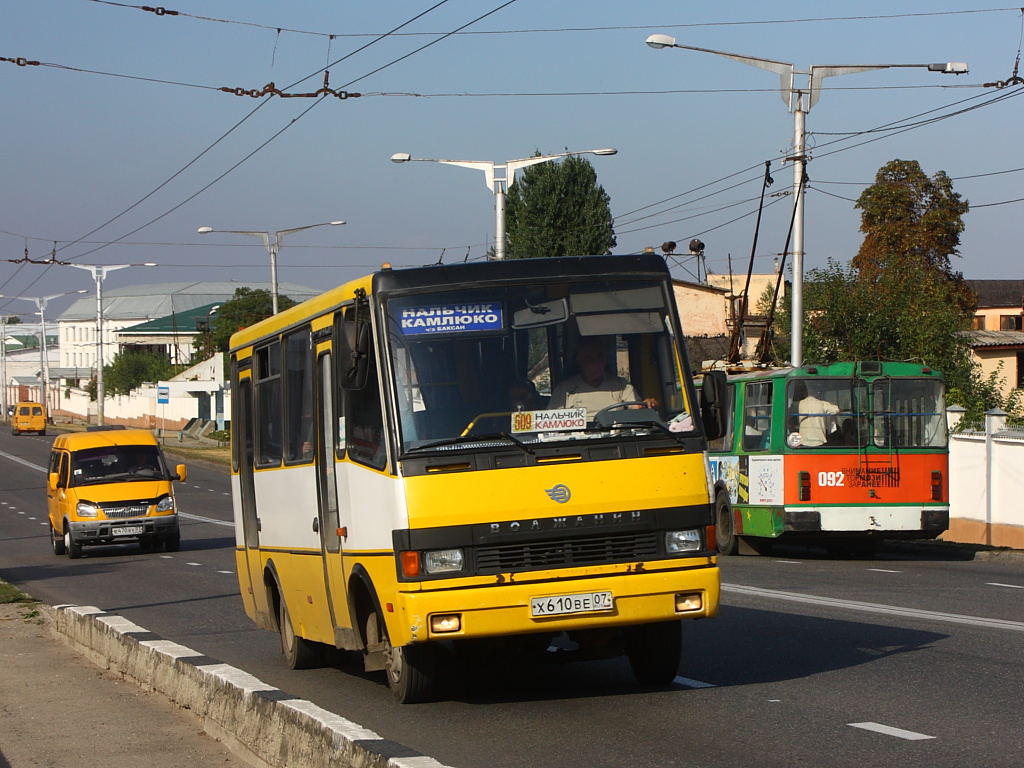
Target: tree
[(912, 223), (248, 306), (559, 209), (131, 368)]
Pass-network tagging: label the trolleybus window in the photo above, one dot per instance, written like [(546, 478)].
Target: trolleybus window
[(298, 400), (757, 416), (268, 405)]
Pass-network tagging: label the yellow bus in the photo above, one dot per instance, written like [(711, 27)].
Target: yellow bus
[(424, 464)]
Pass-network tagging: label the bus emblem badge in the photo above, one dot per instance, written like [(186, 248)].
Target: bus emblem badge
[(560, 493)]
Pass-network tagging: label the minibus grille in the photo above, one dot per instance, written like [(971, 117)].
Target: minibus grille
[(537, 555), (126, 510)]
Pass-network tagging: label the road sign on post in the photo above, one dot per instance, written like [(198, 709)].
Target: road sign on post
[(163, 395)]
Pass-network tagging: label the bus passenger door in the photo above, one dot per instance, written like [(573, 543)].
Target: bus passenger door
[(250, 567), (331, 533)]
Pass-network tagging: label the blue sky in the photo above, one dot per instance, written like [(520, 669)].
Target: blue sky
[(128, 102)]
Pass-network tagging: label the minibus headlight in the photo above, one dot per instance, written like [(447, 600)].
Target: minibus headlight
[(86, 510), (677, 542), (166, 504), (443, 561)]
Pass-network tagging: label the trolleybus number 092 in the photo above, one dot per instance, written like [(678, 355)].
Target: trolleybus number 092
[(555, 605), (832, 478)]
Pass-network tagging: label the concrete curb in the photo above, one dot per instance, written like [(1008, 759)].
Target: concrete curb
[(262, 725)]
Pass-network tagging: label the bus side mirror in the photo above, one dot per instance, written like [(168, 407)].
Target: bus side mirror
[(712, 404), (357, 367), (182, 474), (52, 481)]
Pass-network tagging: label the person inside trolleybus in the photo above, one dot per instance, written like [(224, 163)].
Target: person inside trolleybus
[(594, 387), (815, 419)]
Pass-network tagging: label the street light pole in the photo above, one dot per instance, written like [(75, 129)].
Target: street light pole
[(3, 362), (40, 302), (272, 242), (800, 101), (499, 177), (99, 273)]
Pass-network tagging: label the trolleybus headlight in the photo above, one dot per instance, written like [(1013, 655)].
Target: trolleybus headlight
[(443, 561), (677, 542), (86, 510), (166, 504)]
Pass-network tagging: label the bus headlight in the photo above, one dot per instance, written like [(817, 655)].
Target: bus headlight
[(443, 561), (677, 542), (166, 504), (83, 509)]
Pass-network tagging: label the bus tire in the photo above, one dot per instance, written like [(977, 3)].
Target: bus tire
[(411, 670), (299, 653), (726, 540), (654, 651)]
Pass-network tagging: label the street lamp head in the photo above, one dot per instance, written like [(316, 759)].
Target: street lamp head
[(949, 68), (661, 41), (336, 223), (605, 151), (148, 264), (401, 157), (205, 230)]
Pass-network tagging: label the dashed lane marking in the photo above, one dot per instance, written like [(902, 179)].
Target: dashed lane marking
[(888, 730), (1008, 586)]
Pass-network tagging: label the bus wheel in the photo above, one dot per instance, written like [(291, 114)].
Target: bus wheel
[(725, 533), (411, 669), (654, 651), (299, 653), (74, 550), (57, 541)]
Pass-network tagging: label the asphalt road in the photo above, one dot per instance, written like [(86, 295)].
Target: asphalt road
[(900, 660)]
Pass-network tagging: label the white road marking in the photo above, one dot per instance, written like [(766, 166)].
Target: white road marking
[(892, 610), (193, 563), (19, 460), (225, 571), (789, 562), (888, 730), (1010, 586), (691, 683), (883, 570), (201, 519)]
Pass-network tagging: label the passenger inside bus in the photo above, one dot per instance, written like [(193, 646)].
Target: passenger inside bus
[(593, 387), (815, 418)]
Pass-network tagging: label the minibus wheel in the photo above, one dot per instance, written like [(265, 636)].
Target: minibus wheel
[(654, 651), (73, 549), (57, 541)]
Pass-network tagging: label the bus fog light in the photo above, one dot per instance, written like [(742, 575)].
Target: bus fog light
[(446, 622), (443, 561), (689, 601), (682, 541)]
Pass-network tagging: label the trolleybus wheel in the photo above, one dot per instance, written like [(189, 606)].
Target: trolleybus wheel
[(725, 534), (411, 669), (654, 651), (299, 653)]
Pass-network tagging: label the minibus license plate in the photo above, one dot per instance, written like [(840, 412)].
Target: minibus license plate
[(557, 605), (127, 530)]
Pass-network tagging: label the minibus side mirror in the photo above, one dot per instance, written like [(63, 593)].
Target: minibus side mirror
[(182, 474), (712, 404), (52, 481)]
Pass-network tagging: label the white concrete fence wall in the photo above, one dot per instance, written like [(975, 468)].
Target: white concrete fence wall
[(986, 482)]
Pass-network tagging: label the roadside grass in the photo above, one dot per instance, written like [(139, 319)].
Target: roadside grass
[(11, 595), (220, 455)]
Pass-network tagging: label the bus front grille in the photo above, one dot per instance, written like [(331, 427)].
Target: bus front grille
[(537, 555)]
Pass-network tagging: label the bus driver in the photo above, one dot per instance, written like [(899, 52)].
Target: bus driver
[(593, 387)]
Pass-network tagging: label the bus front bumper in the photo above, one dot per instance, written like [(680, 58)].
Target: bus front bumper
[(503, 609)]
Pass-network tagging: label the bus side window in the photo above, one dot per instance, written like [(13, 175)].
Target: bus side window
[(364, 416), (298, 401), (268, 405), (757, 415)]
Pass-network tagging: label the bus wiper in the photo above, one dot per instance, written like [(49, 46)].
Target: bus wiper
[(463, 439), (632, 424)]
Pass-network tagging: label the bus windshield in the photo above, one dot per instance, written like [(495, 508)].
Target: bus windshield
[(525, 364), (885, 412)]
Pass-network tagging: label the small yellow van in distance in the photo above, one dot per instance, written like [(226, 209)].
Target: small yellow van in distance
[(111, 486), (28, 417)]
